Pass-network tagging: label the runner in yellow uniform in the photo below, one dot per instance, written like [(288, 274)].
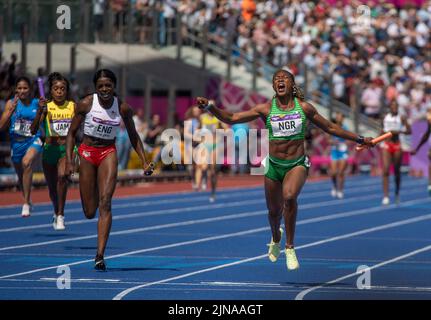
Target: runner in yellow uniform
[(56, 117)]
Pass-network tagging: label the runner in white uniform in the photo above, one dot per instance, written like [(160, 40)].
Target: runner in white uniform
[(392, 153), (101, 113)]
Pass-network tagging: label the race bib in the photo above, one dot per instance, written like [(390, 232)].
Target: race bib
[(286, 125), (22, 127), (60, 127), (105, 129)]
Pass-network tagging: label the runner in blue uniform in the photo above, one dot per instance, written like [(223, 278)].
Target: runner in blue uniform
[(18, 116)]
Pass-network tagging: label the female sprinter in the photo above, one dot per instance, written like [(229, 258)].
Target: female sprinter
[(56, 117), (101, 114), (285, 118), (18, 116), (339, 155), (392, 152)]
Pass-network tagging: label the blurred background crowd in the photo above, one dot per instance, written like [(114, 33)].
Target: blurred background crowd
[(375, 51)]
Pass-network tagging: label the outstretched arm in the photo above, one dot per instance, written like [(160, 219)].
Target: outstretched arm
[(259, 111), (332, 128)]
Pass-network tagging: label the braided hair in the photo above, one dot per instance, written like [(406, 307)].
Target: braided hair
[(296, 90)]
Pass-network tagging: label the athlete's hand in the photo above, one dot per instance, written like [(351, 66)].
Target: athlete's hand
[(42, 105), (368, 143), (69, 170), (413, 152), (14, 103), (202, 102), (149, 169)]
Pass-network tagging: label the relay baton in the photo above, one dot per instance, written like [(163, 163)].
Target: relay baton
[(41, 90), (378, 139)]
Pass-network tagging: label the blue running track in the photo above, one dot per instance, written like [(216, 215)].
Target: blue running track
[(171, 247)]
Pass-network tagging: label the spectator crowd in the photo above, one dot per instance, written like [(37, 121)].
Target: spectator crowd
[(372, 52)]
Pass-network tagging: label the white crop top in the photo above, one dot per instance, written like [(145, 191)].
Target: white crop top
[(392, 123), (102, 123)]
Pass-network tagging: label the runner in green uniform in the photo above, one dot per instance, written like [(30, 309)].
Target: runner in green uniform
[(285, 117)]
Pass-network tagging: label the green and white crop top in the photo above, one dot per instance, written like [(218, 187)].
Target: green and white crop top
[(286, 125)]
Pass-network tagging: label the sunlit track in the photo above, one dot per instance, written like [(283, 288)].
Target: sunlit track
[(184, 237), (193, 197)]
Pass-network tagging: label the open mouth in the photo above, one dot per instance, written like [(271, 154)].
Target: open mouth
[(281, 87), (104, 95)]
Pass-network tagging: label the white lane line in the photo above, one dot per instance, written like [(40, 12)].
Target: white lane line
[(303, 293), (310, 186), (130, 197), (84, 280), (205, 208), (227, 217), (195, 197), (122, 294), (230, 235), (139, 204), (169, 246)]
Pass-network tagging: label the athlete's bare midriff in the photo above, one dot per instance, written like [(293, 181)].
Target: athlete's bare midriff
[(286, 150), (96, 142)]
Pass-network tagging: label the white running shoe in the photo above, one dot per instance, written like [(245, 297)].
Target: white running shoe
[(212, 199), (274, 248), (26, 210), (385, 201), (334, 192), (291, 260), (58, 223), (340, 195)]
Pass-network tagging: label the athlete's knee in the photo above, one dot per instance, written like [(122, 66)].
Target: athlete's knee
[(90, 212), (289, 195), (26, 163), (105, 204), (289, 199)]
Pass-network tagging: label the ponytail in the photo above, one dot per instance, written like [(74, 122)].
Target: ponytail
[(297, 92)]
